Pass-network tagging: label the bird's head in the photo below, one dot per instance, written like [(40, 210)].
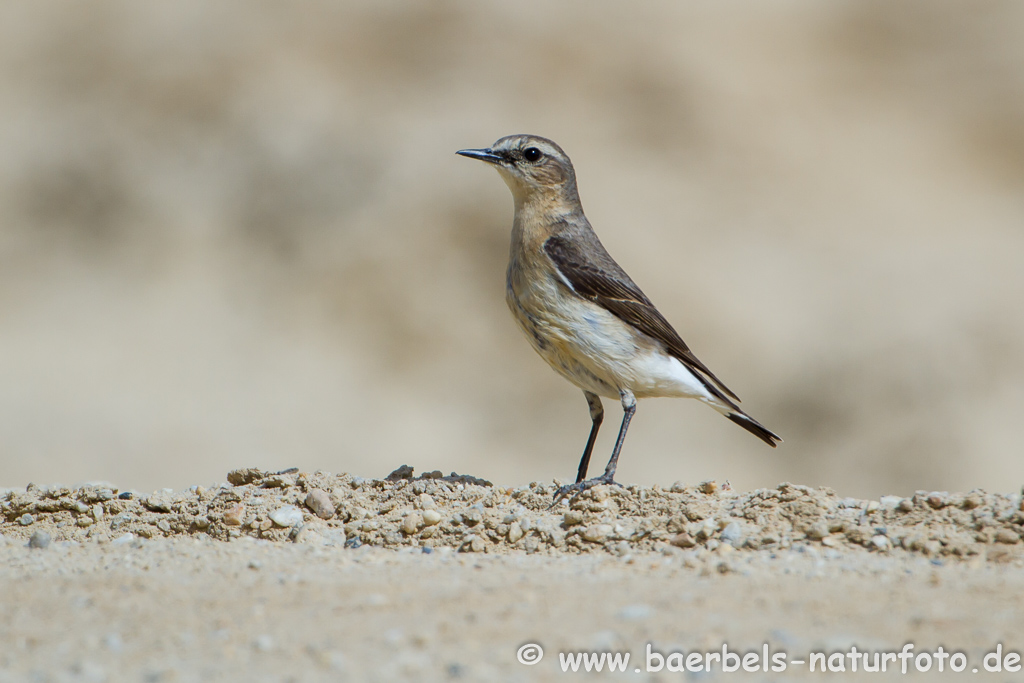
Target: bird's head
[(533, 168)]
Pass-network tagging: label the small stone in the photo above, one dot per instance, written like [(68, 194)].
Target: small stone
[(26, 519), (123, 539), (286, 516), (880, 542), (402, 473), (973, 500), (158, 502), (732, 534), (473, 544), (234, 514), (84, 521), (431, 517), (683, 540), (597, 533), (411, 523), (678, 487), (97, 512), (937, 499), (708, 487), (572, 518), (830, 541), (39, 540), (472, 517), (818, 531), (890, 502), (708, 527), (164, 526), (244, 476), (906, 505), (1007, 536), (320, 503), (515, 532), (872, 506)]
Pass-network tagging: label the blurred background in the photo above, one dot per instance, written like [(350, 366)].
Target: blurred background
[(237, 234)]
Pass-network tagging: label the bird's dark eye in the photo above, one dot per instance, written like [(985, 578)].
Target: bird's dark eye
[(532, 154)]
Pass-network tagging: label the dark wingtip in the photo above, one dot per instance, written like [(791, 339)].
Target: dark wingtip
[(756, 428)]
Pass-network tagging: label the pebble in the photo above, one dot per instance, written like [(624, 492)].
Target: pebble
[(572, 518), (39, 540), (880, 542), (320, 503), (234, 514), (473, 544), (411, 523), (906, 505), (431, 517), (159, 502), (515, 532), (818, 531), (683, 540), (890, 502), (286, 516), (732, 533), (708, 487), (597, 533), (937, 499), (1007, 536)]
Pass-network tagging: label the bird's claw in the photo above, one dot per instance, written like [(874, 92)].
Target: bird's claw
[(581, 486)]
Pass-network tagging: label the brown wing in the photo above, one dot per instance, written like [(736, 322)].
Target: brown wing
[(599, 279)]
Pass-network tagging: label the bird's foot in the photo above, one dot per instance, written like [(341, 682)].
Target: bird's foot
[(581, 486)]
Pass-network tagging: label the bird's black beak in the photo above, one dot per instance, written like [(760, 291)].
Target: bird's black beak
[(481, 154)]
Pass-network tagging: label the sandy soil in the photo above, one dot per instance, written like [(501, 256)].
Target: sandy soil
[(311, 576)]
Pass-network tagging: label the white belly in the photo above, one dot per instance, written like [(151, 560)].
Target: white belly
[(594, 349)]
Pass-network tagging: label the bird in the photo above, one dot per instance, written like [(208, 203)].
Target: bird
[(579, 309)]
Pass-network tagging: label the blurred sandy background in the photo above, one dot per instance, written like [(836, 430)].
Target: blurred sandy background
[(237, 234)]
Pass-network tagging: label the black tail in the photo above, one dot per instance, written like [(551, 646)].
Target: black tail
[(755, 428)]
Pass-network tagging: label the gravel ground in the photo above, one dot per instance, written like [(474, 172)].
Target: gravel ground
[(311, 576)]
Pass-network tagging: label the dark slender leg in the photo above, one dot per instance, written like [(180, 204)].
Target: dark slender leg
[(597, 417), (628, 408)]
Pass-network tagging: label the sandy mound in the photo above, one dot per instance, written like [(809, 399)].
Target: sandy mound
[(472, 515)]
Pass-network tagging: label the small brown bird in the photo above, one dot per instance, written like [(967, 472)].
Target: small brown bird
[(579, 309)]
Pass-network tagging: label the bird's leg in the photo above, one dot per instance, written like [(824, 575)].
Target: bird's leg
[(597, 417), (628, 408)]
